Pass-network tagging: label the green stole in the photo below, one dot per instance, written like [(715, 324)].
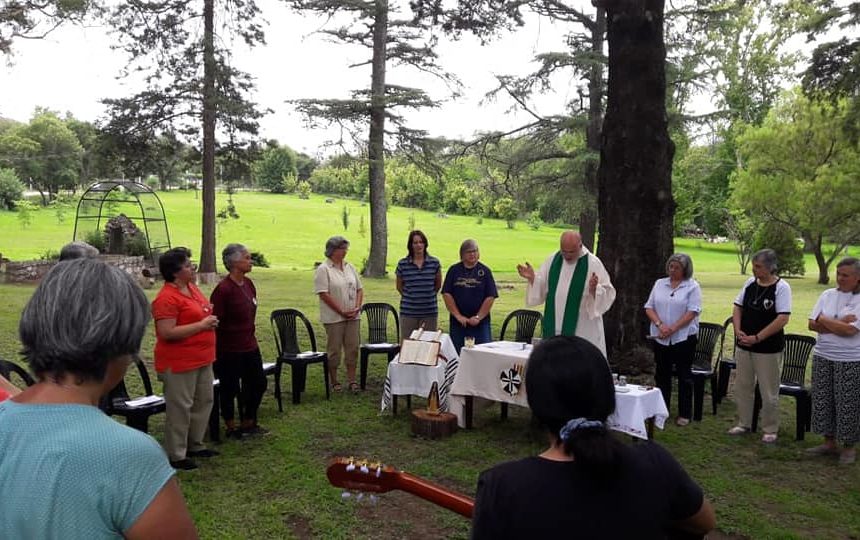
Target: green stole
[(574, 296)]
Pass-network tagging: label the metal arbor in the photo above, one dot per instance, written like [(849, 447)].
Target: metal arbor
[(110, 198)]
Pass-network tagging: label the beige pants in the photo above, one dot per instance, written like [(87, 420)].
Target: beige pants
[(342, 336), (188, 400), (766, 369), (409, 324)]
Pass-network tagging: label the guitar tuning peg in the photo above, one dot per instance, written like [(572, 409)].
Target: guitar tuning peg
[(345, 495), (364, 468), (350, 467), (373, 499), (359, 497), (379, 471)]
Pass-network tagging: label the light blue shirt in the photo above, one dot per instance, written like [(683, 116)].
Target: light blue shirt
[(671, 304), (69, 471)]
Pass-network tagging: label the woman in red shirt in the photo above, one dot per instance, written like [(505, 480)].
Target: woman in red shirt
[(184, 353)]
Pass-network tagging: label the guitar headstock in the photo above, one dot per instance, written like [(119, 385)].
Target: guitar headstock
[(362, 475)]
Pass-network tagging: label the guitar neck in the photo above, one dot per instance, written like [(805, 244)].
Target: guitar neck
[(436, 494)]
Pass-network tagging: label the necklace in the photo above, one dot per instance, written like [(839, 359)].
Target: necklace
[(759, 293), (245, 294)]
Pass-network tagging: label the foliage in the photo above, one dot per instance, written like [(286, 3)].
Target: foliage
[(344, 217), (61, 205), (35, 19), (50, 255), (741, 229), (96, 239), (304, 189), (362, 229), (800, 170), (506, 209), (229, 210), (259, 259), (137, 245), (782, 240), (24, 210), (700, 186), (275, 167), (11, 189), (534, 221), (411, 221)]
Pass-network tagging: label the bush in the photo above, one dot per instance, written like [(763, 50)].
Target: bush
[(304, 189), (137, 245), (344, 217), (276, 170), (258, 259), (97, 240), (50, 255), (781, 239), (534, 221), (506, 209), (25, 210), (11, 189)]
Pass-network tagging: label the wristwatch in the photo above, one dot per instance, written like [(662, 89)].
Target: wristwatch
[(658, 324)]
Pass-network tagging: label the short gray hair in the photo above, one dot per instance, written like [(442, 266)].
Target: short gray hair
[(468, 245), (768, 258), (231, 254), (684, 260), (83, 315), (78, 250), (335, 242), (850, 261)]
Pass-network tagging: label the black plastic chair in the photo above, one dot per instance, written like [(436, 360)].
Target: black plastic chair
[(527, 321), (705, 366), (727, 360), (285, 327), (377, 332), (792, 382), (8, 369), (114, 404)]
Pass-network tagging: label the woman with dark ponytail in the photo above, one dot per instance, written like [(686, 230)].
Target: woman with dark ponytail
[(587, 484)]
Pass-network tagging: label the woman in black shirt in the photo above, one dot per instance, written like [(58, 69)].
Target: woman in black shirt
[(587, 484)]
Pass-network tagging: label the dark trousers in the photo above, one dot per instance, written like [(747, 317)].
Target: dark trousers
[(679, 355), (241, 375), (458, 333)]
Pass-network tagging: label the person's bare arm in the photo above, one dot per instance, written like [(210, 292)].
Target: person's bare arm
[(10, 388), (399, 284), (332, 303), (841, 327), (438, 283), (483, 311), (701, 522), (815, 326), (453, 309), (166, 517), (169, 330)]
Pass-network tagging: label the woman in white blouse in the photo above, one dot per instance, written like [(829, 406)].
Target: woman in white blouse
[(673, 308), (339, 289), (836, 364)]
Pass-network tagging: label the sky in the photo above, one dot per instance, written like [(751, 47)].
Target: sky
[(74, 68)]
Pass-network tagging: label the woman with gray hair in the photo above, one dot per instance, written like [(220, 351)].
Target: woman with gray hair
[(761, 311), (338, 286), (66, 469), (673, 308), (238, 362), (836, 364), (469, 292)]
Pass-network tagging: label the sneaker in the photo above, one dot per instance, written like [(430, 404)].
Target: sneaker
[(184, 465), (768, 438), (738, 430), (681, 421), (847, 456), (255, 431), (822, 450), (205, 453)]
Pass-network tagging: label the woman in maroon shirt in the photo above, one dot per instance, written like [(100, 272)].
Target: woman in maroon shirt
[(238, 364)]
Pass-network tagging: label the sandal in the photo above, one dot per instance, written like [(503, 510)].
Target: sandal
[(768, 438), (354, 388), (336, 387), (738, 430)]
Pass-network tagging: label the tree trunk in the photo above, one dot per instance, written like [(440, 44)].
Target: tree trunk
[(376, 147), (596, 89), (634, 178), (816, 247), (206, 271)]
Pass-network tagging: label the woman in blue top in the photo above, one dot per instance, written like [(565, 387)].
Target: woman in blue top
[(66, 469), (673, 308), (419, 277), (469, 292)]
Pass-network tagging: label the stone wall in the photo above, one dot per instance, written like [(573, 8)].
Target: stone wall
[(29, 271)]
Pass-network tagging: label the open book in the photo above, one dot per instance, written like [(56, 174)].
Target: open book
[(421, 348)]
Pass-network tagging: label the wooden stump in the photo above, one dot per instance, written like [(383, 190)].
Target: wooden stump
[(433, 426)]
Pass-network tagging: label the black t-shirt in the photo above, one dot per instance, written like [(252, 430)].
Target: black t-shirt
[(759, 307), (540, 498)]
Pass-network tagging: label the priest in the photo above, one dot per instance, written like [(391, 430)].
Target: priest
[(576, 288)]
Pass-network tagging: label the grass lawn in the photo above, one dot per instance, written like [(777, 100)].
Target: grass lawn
[(276, 486)]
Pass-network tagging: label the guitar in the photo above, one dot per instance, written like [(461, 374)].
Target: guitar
[(364, 476), (374, 477)]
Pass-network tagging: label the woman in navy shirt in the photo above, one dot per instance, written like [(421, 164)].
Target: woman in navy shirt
[(469, 292)]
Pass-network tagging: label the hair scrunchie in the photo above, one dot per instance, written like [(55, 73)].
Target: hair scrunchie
[(577, 423)]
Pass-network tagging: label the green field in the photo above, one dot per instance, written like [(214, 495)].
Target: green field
[(275, 487)]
